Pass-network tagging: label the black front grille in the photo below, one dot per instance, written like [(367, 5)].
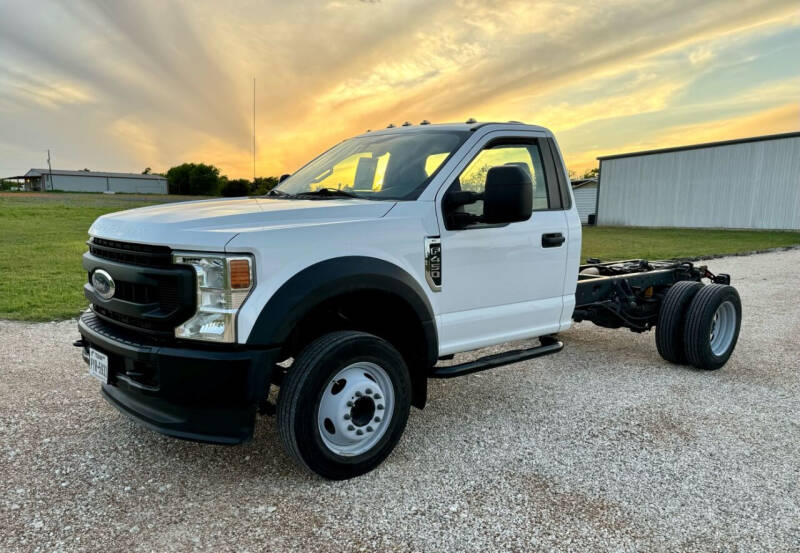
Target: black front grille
[(165, 294), (152, 295), (156, 327), (137, 293), (168, 294), (134, 254)]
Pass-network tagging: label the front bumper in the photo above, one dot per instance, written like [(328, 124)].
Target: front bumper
[(201, 393)]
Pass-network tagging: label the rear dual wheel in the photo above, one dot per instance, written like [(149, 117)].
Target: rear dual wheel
[(712, 326), (672, 318), (699, 325)]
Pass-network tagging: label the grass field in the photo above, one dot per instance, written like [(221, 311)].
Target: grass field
[(42, 238)]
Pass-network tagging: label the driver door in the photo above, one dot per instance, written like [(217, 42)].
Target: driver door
[(502, 282)]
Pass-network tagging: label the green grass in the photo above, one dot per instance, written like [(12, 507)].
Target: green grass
[(42, 238), (610, 243)]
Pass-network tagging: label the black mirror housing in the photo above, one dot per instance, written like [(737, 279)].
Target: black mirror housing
[(508, 197)]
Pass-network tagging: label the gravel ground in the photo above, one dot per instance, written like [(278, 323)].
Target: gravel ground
[(601, 447)]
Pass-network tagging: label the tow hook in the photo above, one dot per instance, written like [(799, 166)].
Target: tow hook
[(79, 343)]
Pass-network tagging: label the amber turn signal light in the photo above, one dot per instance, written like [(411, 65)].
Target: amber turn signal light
[(240, 273)]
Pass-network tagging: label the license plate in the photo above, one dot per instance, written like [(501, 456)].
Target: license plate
[(98, 365)]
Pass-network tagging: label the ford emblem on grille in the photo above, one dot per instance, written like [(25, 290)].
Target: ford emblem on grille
[(103, 284)]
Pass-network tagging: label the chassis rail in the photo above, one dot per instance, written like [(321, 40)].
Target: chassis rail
[(629, 293)]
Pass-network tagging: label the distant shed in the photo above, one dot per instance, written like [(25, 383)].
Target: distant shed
[(750, 183), (92, 181), (585, 193)]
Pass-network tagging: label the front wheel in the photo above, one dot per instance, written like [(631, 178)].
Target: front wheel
[(344, 404)]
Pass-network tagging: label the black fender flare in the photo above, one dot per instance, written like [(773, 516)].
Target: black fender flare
[(333, 277)]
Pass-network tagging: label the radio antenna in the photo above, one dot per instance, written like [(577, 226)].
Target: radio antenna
[(254, 131)]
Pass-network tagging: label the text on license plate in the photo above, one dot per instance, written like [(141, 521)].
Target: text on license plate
[(98, 365)]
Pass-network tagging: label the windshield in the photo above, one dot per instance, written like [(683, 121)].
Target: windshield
[(393, 166)]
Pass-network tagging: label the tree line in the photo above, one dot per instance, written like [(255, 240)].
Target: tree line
[(199, 179)]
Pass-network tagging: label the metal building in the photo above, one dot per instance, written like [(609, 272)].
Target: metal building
[(92, 181), (751, 183), (585, 193)]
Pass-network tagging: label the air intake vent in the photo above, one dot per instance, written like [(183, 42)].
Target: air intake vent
[(134, 254)]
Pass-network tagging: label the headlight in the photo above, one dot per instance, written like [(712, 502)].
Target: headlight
[(223, 283)]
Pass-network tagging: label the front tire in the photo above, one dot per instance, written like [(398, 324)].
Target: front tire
[(344, 404)]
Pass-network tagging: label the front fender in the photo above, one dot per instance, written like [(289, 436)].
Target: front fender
[(333, 277)]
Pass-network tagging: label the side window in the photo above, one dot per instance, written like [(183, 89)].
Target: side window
[(526, 156)]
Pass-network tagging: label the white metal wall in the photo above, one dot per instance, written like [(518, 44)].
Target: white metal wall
[(585, 201), (98, 183), (747, 185)]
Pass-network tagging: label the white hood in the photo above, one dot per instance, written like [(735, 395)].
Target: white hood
[(208, 225)]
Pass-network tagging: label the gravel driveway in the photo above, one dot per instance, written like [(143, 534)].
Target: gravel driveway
[(601, 447)]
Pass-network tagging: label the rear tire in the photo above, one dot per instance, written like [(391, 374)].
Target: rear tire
[(671, 317), (344, 404), (712, 326)]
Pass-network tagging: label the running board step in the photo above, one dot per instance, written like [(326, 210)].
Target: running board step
[(548, 346)]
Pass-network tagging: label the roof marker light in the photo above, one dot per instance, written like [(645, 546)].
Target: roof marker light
[(470, 121), (425, 122)]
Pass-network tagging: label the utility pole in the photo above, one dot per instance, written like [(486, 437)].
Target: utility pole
[(50, 171), (254, 131)]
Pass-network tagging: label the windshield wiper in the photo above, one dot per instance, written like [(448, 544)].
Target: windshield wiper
[(276, 192), (328, 193)]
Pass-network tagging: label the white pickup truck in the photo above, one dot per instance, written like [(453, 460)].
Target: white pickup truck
[(348, 283)]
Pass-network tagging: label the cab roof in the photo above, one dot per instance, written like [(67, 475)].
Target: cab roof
[(468, 126)]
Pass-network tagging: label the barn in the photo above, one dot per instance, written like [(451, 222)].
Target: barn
[(749, 183), (91, 181), (585, 193)]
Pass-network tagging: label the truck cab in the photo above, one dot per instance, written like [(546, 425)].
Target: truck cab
[(344, 286)]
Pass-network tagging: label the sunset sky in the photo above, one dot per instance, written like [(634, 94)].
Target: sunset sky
[(119, 86)]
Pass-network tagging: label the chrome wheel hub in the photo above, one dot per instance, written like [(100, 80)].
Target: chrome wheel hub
[(723, 327), (355, 409)]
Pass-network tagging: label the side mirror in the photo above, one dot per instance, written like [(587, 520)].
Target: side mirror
[(283, 178), (508, 196)]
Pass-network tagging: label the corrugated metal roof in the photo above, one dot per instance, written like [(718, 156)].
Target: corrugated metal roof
[(100, 174), (580, 183), (705, 145)]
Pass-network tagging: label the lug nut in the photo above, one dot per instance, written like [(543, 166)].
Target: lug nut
[(351, 427), (369, 429), (359, 432), (358, 394), (347, 416), (377, 419), (380, 407), (378, 396), (368, 390), (349, 404)]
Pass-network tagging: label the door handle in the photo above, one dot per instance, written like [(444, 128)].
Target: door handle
[(552, 240)]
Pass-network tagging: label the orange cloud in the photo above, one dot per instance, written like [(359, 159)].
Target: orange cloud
[(171, 82)]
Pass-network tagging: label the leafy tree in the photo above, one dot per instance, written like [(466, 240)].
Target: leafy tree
[(235, 187), (591, 173), (193, 179), (146, 171), (262, 185)]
